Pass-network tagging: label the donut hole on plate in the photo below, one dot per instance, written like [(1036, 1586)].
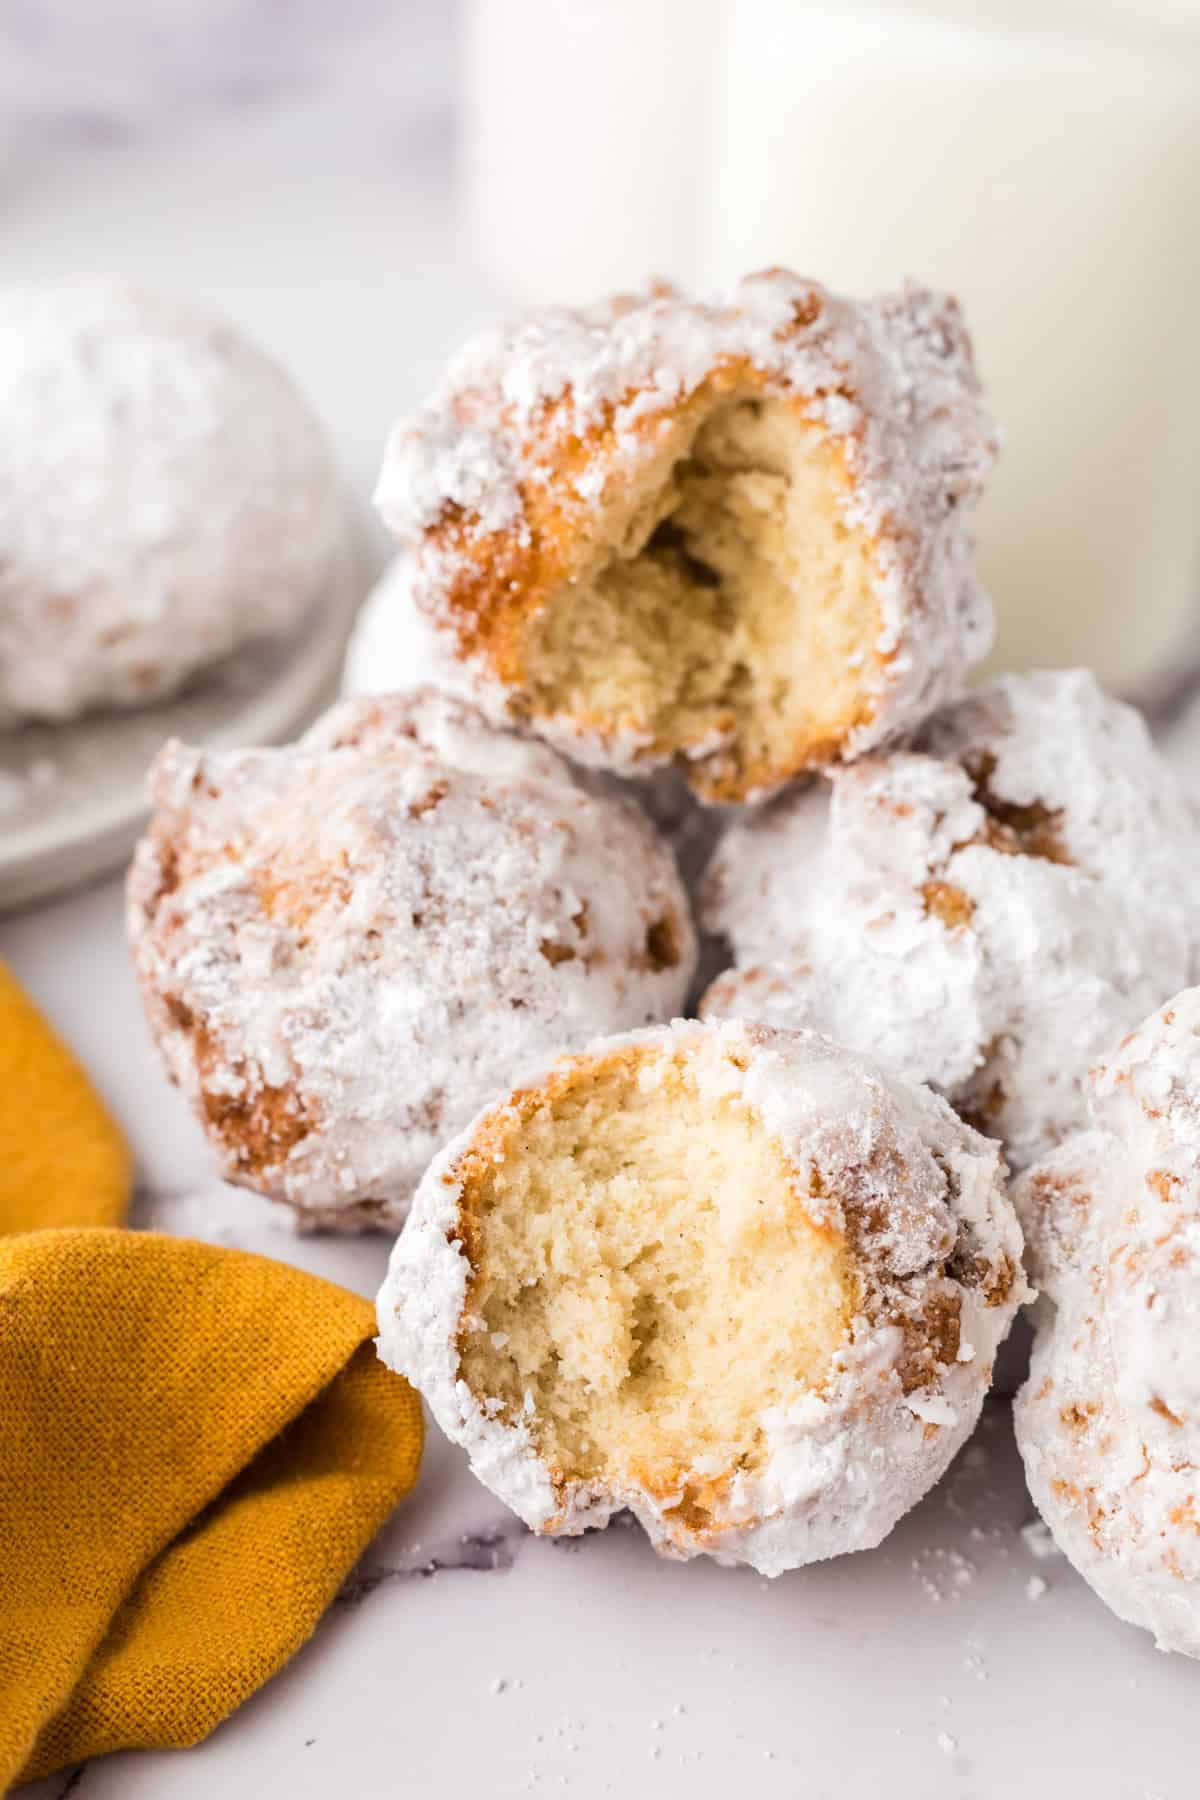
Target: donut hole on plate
[(647, 1279), (736, 621)]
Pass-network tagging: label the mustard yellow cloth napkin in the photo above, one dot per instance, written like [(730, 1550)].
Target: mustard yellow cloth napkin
[(62, 1160), (195, 1446)]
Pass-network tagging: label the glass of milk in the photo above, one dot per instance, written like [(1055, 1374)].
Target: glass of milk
[(1039, 158), (1042, 161), (586, 127)]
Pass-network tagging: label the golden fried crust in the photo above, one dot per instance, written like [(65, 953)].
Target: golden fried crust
[(501, 578)]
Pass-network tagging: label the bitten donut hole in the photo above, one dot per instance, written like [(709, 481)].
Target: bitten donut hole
[(647, 1280), (733, 624)]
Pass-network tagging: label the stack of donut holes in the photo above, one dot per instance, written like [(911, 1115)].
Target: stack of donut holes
[(662, 709)]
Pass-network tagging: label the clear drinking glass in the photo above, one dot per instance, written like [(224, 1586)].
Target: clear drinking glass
[(1040, 158), (1042, 161)]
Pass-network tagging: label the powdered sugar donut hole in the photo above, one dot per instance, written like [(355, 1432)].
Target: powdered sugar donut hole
[(348, 945), (166, 497)]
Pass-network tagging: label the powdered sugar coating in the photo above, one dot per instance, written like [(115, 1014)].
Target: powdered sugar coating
[(166, 496), (1108, 1423), (347, 946), (393, 648), (921, 1196), (541, 434), (984, 911)]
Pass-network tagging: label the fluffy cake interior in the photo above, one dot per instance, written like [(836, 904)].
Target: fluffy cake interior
[(739, 608), (647, 1279)]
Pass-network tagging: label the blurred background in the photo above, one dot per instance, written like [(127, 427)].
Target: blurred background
[(360, 185)]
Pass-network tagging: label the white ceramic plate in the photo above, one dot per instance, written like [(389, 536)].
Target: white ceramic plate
[(72, 799)]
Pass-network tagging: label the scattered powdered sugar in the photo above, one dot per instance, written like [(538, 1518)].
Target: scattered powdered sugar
[(985, 911), (1038, 1540), (943, 1573)]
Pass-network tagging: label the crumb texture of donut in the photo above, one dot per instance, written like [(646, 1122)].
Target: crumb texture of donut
[(728, 1278), (734, 536), (1108, 1423), (651, 1336), (347, 945), (985, 908), (740, 610)]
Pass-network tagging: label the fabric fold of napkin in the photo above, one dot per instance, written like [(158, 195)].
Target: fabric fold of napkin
[(195, 1446)]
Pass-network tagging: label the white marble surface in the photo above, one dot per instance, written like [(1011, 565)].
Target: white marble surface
[(950, 1662)]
